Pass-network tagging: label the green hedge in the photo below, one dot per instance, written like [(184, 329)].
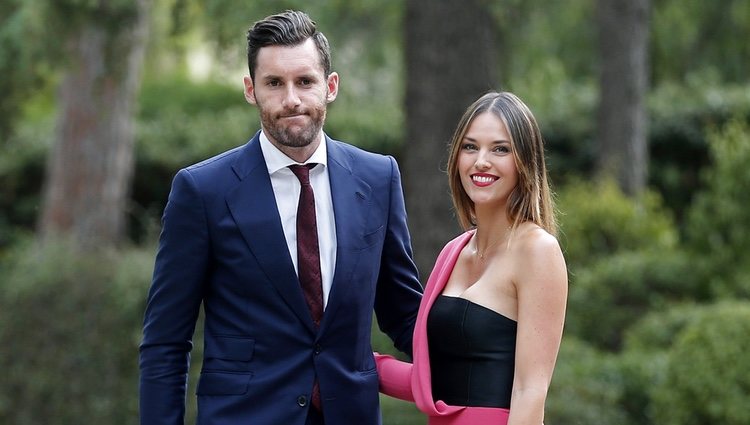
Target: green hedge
[(687, 365), (22, 165), (718, 225), (708, 374), (586, 388), (681, 114), (608, 297), (645, 356), (69, 334), (597, 220)]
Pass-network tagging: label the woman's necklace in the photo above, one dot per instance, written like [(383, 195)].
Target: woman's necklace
[(482, 253)]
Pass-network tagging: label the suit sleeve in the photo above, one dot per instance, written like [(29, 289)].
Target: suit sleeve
[(173, 305), (398, 290)]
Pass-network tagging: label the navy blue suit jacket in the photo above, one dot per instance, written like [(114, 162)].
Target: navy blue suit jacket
[(222, 245)]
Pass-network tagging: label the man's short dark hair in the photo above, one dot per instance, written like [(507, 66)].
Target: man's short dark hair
[(290, 28)]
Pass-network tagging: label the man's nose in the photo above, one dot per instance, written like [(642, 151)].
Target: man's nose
[(291, 98)]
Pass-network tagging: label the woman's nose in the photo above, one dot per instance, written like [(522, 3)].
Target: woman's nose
[(482, 163)]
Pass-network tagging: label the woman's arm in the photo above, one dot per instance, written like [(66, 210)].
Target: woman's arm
[(394, 376), (541, 282)]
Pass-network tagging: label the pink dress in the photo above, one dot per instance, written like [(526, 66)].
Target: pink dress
[(411, 382)]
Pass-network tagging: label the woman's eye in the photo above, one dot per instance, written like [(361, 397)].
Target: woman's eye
[(502, 149), (469, 147)]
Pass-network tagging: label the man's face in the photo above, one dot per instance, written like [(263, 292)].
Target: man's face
[(291, 92)]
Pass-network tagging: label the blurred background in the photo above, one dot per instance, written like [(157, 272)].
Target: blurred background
[(644, 105)]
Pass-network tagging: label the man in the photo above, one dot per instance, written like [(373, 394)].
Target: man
[(289, 242)]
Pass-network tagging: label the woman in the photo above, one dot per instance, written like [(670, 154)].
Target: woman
[(491, 319)]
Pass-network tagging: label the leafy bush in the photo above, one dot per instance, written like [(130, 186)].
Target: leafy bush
[(598, 220), (707, 377), (586, 388), (645, 357), (640, 371), (181, 122), (678, 146), (21, 174), (606, 298), (657, 330), (69, 334), (564, 109), (173, 93), (719, 220)]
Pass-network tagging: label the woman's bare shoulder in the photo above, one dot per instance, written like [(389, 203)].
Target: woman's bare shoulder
[(533, 248)]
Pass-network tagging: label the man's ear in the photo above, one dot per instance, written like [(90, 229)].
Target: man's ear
[(333, 86), (249, 90)]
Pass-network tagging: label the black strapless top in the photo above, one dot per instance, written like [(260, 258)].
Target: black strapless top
[(472, 353)]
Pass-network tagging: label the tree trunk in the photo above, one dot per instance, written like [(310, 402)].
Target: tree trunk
[(450, 61), (91, 162), (622, 121)]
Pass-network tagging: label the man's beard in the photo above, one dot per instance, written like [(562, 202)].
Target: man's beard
[(294, 136)]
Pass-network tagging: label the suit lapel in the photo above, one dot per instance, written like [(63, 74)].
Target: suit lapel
[(351, 197), (253, 207)]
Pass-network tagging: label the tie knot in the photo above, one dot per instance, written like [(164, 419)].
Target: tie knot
[(303, 172)]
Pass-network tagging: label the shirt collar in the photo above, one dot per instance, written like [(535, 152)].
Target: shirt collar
[(277, 160)]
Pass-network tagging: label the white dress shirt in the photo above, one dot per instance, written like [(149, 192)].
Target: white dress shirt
[(286, 189)]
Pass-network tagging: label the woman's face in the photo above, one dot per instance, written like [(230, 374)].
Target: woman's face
[(486, 162)]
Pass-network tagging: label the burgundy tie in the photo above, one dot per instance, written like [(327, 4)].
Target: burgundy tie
[(308, 254)]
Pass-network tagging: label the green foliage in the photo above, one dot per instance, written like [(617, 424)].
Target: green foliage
[(606, 297), (694, 35), (177, 139), (645, 357), (719, 221), (23, 66), (640, 371), (181, 122), (68, 16), (707, 377), (688, 365), (21, 174), (680, 117), (657, 330), (377, 130), (586, 387), (563, 109), (69, 334), (598, 220), (537, 33), (178, 93), (398, 412)]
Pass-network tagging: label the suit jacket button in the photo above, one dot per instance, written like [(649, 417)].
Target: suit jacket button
[(318, 349), (302, 401)]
